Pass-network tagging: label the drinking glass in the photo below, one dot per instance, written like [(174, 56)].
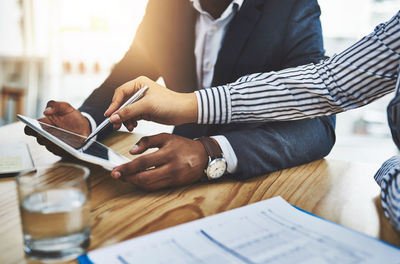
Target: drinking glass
[(54, 207)]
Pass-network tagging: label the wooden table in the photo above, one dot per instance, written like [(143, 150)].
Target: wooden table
[(343, 192)]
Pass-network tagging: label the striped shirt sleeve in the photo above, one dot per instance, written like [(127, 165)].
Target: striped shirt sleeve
[(357, 76), (388, 178)]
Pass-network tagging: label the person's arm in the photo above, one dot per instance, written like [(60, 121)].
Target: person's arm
[(357, 76), (261, 148), (388, 178), (258, 148)]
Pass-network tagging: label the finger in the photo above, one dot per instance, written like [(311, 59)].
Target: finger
[(152, 180), (129, 125), (139, 164), (50, 146), (56, 150), (136, 111), (44, 120), (42, 140), (119, 97), (30, 132), (122, 92), (156, 141), (116, 102), (60, 108), (117, 126), (49, 111), (50, 108)]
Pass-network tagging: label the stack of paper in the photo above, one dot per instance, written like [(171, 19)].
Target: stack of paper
[(14, 158), (271, 231)]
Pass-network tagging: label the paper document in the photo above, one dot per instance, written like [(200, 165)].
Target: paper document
[(14, 158), (270, 231)]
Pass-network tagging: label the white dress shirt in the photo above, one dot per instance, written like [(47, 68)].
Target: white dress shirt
[(209, 34)]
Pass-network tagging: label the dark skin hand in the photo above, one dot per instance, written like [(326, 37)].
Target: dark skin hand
[(63, 115), (178, 161)]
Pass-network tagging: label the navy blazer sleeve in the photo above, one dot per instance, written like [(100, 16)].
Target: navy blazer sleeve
[(267, 147), (163, 46), (136, 62)]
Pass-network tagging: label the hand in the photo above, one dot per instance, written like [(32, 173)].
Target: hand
[(178, 161), (63, 115), (158, 104)]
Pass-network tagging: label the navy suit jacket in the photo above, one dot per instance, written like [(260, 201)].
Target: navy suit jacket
[(265, 35)]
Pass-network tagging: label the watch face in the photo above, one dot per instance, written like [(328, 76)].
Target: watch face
[(216, 168)]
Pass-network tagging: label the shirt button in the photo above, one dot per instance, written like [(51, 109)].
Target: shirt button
[(213, 29), (209, 66)]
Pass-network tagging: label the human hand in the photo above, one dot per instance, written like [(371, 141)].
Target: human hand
[(158, 104), (62, 115), (178, 161)]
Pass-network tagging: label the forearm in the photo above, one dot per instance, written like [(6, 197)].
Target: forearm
[(132, 65), (267, 147), (359, 75), (388, 178)]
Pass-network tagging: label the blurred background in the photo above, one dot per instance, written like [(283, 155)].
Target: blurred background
[(63, 49)]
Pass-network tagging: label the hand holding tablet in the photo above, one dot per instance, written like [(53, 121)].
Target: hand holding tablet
[(92, 151)]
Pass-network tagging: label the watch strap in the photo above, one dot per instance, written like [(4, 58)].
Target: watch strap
[(212, 147)]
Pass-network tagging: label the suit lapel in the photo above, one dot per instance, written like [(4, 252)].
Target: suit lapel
[(235, 38)]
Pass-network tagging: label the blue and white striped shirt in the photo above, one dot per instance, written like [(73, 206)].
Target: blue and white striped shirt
[(357, 76), (388, 178)]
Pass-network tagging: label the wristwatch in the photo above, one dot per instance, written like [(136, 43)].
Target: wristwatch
[(216, 162)]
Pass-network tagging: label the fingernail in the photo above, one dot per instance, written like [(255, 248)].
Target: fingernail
[(115, 118), (116, 174), (48, 109), (134, 148)]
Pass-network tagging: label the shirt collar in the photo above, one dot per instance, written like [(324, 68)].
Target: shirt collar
[(236, 4)]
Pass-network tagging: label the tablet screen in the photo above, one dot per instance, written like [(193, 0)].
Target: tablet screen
[(91, 151), (76, 141)]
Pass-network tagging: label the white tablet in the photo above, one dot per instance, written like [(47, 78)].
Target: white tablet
[(92, 151)]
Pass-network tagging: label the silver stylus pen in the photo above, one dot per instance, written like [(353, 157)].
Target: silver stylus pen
[(106, 122)]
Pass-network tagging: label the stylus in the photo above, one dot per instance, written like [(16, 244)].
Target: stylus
[(106, 122)]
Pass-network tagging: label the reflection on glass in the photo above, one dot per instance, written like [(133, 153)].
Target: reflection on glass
[(77, 141), (74, 140)]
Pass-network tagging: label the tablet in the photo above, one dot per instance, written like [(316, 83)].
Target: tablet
[(91, 151)]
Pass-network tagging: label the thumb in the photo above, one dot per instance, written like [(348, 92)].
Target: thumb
[(50, 108), (156, 141), (122, 93), (59, 108)]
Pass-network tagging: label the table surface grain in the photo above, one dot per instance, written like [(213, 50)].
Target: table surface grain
[(340, 191)]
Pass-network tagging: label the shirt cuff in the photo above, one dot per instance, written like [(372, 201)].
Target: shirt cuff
[(214, 105), (228, 152), (388, 167), (92, 123)]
